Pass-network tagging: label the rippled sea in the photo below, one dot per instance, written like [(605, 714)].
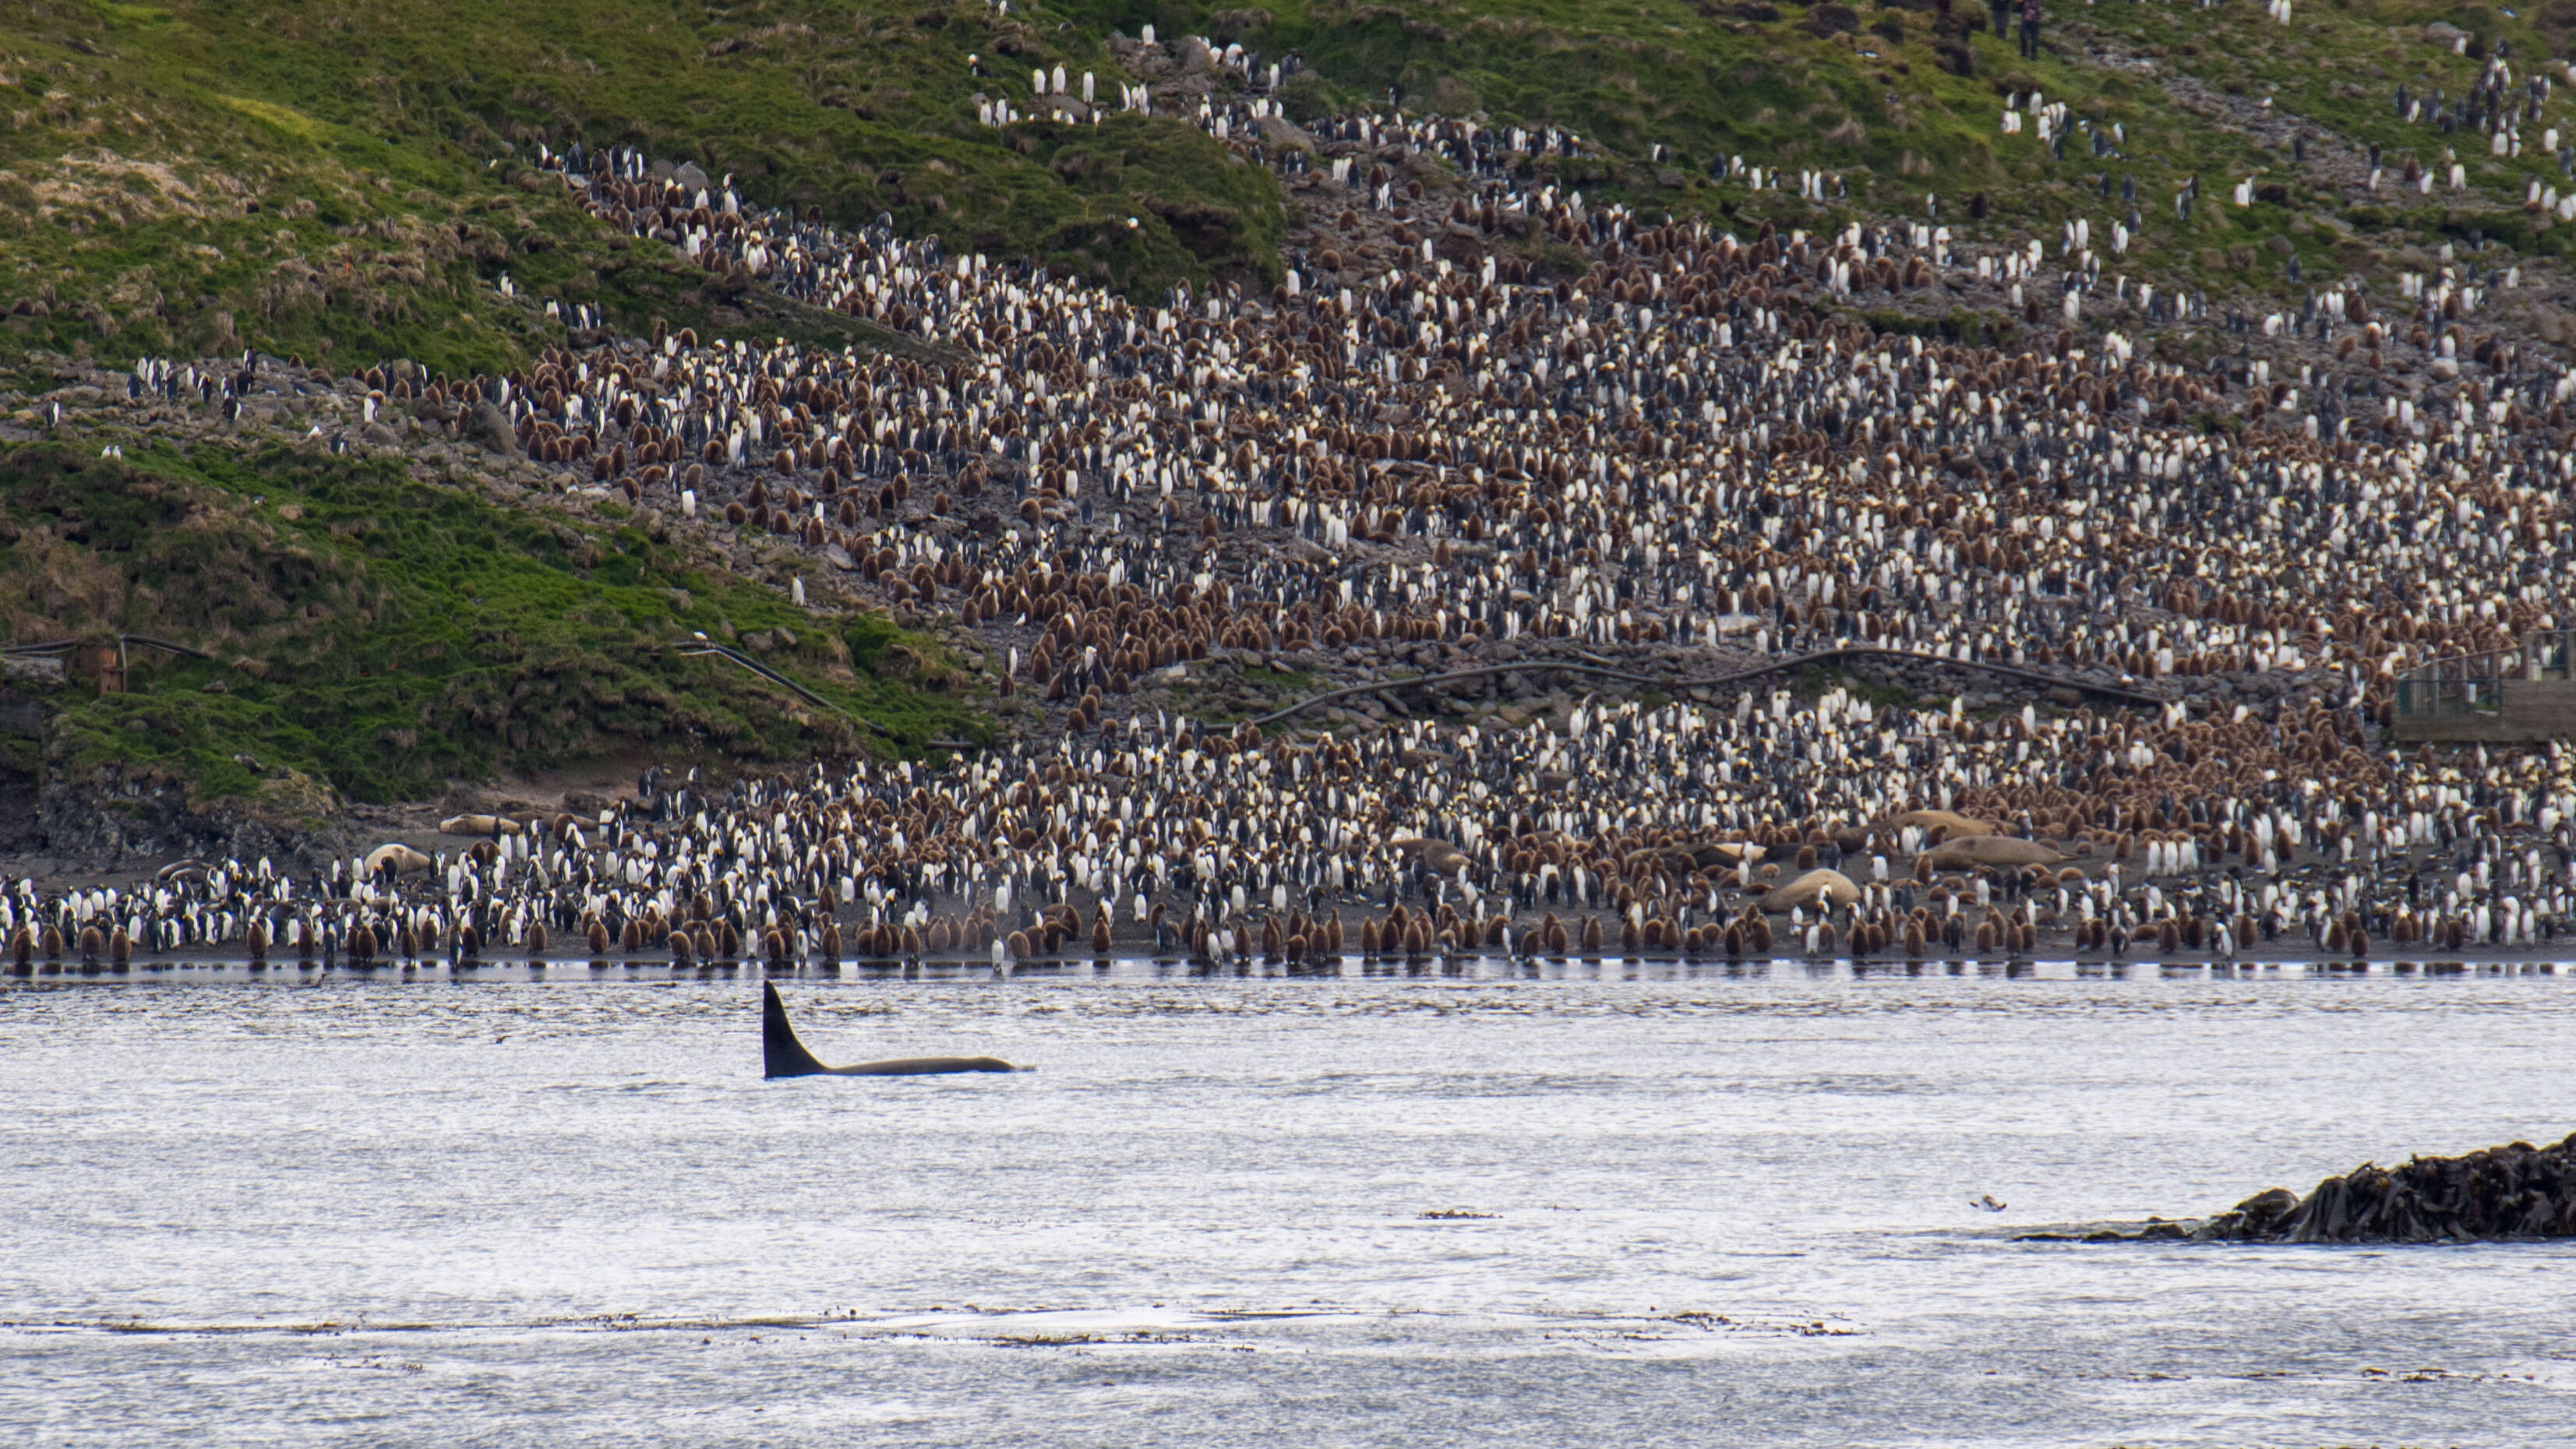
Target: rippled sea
[(1705, 1210)]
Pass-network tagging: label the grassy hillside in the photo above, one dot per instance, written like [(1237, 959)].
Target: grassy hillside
[(348, 179), (385, 635), (349, 182), (1903, 102)]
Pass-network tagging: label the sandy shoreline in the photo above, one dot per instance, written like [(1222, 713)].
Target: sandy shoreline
[(1482, 967)]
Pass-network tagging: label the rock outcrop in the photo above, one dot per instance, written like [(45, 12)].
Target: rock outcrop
[(299, 823), (2514, 1191)]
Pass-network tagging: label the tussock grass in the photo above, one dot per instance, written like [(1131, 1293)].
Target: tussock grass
[(386, 635), (1902, 105), (347, 181)]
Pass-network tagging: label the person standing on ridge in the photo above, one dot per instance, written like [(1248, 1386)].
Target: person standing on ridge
[(2000, 11), (2030, 29)]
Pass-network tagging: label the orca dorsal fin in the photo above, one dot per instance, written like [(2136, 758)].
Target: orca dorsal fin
[(781, 1054)]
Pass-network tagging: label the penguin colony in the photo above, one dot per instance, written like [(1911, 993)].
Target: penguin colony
[(1415, 447), (1661, 450), (1838, 828)]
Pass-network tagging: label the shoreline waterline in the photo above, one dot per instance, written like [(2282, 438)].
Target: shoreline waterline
[(1478, 969)]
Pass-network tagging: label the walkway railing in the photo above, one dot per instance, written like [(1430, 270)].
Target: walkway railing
[(2469, 685)]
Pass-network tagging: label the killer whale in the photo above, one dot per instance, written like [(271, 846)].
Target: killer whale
[(782, 1055)]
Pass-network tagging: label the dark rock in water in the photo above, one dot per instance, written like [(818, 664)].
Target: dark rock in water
[(2514, 1191)]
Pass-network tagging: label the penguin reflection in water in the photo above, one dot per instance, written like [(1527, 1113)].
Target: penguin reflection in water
[(782, 1055)]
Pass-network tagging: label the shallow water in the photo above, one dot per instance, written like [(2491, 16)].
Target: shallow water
[(1709, 1207)]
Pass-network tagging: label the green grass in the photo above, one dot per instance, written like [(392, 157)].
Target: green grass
[(386, 635), (1279, 681), (1884, 107), (349, 179)]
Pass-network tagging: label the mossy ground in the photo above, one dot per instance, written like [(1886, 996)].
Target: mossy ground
[(1876, 94), (348, 179), (387, 635)]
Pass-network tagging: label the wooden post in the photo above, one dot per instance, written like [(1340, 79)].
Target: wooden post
[(104, 665)]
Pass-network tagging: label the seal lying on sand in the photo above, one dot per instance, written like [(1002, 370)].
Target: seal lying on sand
[(1824, 887), (782, 1055), (2003, 850), (1952, 825)]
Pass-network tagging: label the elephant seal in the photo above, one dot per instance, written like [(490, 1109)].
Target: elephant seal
[(1822, 886), (486, 825), (1951, 824), (1976, 850), (403, 859), (782, 1055), (1437, 856)]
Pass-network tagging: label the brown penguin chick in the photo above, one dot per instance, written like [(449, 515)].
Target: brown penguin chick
[(255, 942), (362, 945), (469, 942), (1591, 935), (1016, 946), (92, 941), (773, 946), (728, 942), (681, 948), (120, 947), (1100, 931), (536, 941)]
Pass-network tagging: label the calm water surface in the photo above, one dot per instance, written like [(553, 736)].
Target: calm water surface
[(1704, 1211)]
